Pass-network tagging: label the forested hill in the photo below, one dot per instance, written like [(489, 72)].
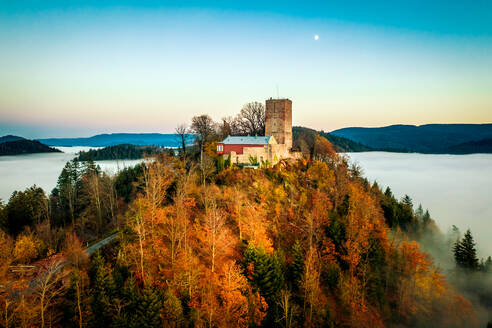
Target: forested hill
[(118, 152), (105, 140), (339, 143), (306, 243), (24, 146), (430, 138), (482, 146), (9, 137)]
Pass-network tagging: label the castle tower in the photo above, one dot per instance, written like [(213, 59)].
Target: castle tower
[(278, 120)]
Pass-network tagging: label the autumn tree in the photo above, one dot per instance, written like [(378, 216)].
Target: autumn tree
[(50, 289), (323, 149)]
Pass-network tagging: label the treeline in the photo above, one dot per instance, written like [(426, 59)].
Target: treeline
[(125, 151)]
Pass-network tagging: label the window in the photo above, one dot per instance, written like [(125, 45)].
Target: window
[(220, 148)]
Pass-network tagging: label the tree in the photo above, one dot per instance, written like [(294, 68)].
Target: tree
[(92, 183), (25, 208), (296, 268), (204, 128), (100, 301), (77, 257), (251, 119), (50, 287), (67, 189), (147, 307), (26, 248), (228, 127), (465, 253), (182, 132), (323, 149), (407, 201)]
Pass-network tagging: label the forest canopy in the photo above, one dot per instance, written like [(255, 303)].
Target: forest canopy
[(304, 243)]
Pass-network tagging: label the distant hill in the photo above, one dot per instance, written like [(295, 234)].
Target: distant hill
[(118, 152), (340, 144), (24, 146), (483, 146), (430, 138), (105, 140), (9, 137)]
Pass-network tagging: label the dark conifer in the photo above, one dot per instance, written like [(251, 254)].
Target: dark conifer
[(465, 253)]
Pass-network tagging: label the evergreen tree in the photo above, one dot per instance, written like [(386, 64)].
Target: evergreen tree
[(100, 299), (487, 265), (407, 201), (426, 218), (266, 274), (465, 253), (25, 208), (147, 307), (296, 268)]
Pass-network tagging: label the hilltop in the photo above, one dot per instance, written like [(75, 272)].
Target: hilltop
[(12, 145), (10, 137)]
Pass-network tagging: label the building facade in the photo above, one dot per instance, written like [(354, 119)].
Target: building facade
[(274, 146)]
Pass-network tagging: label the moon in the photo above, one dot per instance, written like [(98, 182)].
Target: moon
[(316, 37)]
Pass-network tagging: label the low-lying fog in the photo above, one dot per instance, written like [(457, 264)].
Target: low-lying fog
[(22, 171), (457, 189)]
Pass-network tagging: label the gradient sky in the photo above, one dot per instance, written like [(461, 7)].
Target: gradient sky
[(72, 68)]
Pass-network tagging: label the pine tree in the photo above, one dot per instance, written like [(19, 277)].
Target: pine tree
[(465, 253), (266, 274), (147, 307), (100, 301), (487, 266), (296, 268), (407, 201)]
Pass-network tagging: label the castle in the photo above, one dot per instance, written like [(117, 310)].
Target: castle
[(274, 146)]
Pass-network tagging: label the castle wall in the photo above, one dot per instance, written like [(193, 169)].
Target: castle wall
[(239, 149), (273, 153)]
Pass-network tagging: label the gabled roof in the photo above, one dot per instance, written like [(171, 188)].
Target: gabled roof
[(249, 140)]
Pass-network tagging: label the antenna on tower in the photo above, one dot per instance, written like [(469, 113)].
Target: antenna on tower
[(278, 96)]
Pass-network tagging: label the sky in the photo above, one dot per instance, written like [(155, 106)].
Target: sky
[(73, 68)]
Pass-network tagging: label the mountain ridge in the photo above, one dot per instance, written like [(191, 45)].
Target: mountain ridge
[(427, 138), (113, 139)]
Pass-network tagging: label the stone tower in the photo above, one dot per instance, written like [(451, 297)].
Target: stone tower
[(278, 120)]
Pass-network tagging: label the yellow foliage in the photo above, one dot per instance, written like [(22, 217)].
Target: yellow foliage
[(26, 248)]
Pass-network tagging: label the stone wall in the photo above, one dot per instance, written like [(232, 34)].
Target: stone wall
[(278, 120)]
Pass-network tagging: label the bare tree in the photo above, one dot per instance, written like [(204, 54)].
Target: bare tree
[(204, 128), (181, 132), (251, 119), (227, 127), (50, 287)]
